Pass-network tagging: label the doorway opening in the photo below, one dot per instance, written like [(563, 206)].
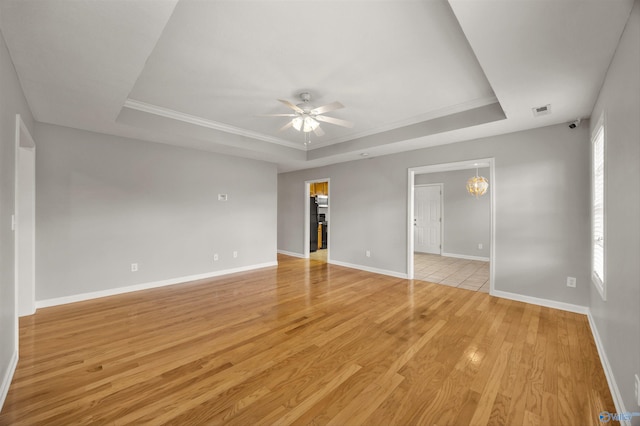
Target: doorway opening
[(450, 233), (317, 231), (24, 219)]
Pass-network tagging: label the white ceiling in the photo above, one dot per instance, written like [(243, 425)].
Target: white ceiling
[(411, 74)]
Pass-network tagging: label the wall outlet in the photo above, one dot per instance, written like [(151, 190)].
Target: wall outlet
[(480, 246), (571, 281), (367, 253), (134, 267), (637, 388), (13, 222), (215, 257), (222, 197), (235, 254)]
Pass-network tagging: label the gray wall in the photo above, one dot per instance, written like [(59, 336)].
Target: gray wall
[(104, 202), (618, 319), (466, 220), (12, 102), (542, 209)]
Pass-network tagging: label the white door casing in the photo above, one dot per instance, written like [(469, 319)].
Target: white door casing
[(24, 220), (428, 219), (445, 167)]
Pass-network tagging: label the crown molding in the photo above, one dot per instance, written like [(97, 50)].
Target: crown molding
[(430, 115), (203, 122)]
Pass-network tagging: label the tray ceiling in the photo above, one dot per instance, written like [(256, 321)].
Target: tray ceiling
[(410, 73)]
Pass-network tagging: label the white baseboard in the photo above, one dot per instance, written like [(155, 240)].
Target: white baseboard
[(578, 309), (464, 256), (608, 372), (8, 376), (290, 253), (146, 286), (368, 269)]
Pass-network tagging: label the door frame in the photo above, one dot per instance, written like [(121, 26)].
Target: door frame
[(441, 186), (445, 167), (307, 212), (25, 156)]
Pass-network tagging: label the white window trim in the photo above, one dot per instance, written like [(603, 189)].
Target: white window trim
[(599, 284)]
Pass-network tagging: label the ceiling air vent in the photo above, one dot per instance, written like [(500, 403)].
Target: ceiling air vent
[(543, 110)]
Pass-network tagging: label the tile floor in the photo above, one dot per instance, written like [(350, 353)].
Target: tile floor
[(320, 255), (461, 273)]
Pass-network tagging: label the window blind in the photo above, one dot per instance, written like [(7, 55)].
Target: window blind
[(598, 208)]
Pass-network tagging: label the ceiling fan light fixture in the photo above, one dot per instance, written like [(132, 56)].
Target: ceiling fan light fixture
[(304, 124), (310, 124), (307, 118), (297, 123)]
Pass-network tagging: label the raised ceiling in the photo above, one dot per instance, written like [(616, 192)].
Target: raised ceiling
[(411, 74)]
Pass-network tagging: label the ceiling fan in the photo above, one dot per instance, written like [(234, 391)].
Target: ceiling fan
[(306, 117)]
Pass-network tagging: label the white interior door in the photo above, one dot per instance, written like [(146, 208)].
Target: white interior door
[(427, 219)]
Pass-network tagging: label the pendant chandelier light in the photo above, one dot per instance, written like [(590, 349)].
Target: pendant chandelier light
[(477, 185)]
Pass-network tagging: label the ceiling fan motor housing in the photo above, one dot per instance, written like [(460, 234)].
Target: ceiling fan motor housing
[(305, 105), (305, 96)]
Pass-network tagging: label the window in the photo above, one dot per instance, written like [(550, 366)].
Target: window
[(597, 206)]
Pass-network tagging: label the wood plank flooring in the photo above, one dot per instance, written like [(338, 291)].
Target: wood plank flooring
[(306, 343)]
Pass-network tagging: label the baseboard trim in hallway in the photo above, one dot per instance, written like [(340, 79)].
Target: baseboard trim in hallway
[(465, 256)]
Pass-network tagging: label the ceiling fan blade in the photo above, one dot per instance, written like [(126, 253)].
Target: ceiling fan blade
[(292, 106), (337, 121), (286, 126), (326, 108), (318, 131), (277, 115)]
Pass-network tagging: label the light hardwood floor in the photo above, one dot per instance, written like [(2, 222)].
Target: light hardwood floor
[(306, 343), (461, 273)]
